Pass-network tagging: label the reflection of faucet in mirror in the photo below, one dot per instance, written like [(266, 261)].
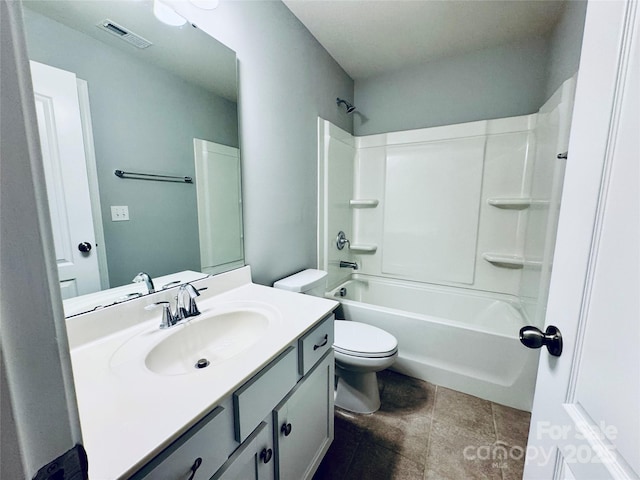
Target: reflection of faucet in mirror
[(144, 277)]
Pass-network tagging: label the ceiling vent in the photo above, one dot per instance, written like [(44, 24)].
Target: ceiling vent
[(124, 34)]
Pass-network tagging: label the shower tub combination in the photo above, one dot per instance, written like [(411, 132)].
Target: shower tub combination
[(453, 337)]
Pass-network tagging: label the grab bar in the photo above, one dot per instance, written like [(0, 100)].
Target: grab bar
[(152, 176)]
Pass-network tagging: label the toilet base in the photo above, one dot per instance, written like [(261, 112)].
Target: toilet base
[(357, 391)]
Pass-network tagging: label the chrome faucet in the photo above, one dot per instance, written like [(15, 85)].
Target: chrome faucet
[(146, 278), (344, 264), (186, 302), (185, 306)]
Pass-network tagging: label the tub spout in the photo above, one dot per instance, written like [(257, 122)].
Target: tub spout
[(344, 264)]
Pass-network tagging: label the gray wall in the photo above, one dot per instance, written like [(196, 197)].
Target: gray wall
[(503, 81), (148, 126), (287, 80), (565, 45), (496, 82)]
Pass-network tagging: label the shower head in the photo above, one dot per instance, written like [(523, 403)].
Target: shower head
[(350, 107)]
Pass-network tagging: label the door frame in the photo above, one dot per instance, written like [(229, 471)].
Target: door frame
[(92, 179), (39, 412)]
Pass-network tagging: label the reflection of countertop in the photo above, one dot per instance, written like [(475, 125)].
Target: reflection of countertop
[(129, 414), (90, 301)]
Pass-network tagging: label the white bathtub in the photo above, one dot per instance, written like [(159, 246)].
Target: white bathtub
[(457, 338)]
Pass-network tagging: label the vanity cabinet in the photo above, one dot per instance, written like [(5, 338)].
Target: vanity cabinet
[(277, 425)]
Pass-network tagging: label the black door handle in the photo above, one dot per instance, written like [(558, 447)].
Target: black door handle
[(533, 337), (84, 247)]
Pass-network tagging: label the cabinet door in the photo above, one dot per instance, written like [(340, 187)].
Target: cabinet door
[(253, 460), (303, 423)]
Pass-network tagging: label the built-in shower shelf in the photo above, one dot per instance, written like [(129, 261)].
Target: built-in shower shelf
[(516, 203), (510, 203), (362, 248), (364, 203), (510, 261)]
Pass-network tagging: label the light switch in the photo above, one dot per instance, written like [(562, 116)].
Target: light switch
[(119, 213)]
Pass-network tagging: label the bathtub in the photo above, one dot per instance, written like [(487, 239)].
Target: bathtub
[(457, 338)]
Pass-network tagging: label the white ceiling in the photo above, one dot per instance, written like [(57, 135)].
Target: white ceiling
[(371, 37)]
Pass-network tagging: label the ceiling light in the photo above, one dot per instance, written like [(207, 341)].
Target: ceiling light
[(166, 14)]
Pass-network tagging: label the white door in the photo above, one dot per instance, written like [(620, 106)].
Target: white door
[(219, 199), (60, 127), (585, 422)]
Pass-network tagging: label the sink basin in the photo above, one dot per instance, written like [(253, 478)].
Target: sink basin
[(208, 341), (196, 345)]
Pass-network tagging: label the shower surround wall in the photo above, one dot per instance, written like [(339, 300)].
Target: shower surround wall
[(469, 208), (433, 222), (472, 205)]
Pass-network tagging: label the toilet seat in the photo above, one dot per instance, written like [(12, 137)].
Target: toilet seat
[(362, 340)]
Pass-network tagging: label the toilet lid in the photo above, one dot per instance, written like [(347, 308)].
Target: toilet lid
[(362, 340)]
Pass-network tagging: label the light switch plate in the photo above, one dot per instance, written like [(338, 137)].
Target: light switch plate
[(119, 213)]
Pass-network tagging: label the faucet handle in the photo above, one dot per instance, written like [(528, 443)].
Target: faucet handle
[(168, 319)]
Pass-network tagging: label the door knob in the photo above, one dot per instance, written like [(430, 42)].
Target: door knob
[(84, 247), (533, 337)]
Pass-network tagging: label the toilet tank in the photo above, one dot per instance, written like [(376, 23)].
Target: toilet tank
[(310, 281)]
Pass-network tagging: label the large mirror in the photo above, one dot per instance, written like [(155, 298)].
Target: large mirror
[(166, 110)]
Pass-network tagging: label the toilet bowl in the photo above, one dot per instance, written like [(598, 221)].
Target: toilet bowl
[(360, 349)]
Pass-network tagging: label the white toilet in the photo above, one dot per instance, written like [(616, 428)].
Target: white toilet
[(360, 350)]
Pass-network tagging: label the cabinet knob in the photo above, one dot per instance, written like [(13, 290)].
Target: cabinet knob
[(266, 454), (286, 429), (195, 467)]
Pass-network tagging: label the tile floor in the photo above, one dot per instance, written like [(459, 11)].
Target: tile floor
[(426, 432)]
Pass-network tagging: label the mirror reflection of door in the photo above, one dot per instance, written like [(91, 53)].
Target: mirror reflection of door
[(219, 206), (63, 153)]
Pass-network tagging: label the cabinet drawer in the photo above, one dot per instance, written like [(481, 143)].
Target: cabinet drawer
[(313, 345), (208, 440), (256, 398)]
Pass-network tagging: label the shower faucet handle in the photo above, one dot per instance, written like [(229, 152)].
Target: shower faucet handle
[(341, 240)]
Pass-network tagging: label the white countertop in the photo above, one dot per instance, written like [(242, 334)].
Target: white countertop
[(129, 414)]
